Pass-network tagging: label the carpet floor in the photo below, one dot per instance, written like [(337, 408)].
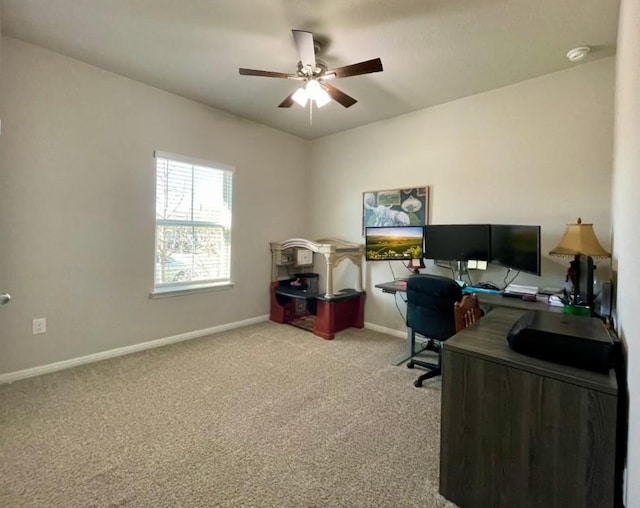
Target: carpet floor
[(262, 416)]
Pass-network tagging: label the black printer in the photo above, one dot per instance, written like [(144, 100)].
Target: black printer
[(578, 341)]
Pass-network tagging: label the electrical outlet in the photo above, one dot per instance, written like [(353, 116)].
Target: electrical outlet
[(39, 326)]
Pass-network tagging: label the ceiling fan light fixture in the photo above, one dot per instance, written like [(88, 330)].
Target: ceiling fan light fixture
[(322, 98), (323, 101), (313, 88), (316, 92), (301, 97), (314, 74)]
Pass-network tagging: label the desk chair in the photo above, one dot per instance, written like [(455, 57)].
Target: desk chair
[(466, 311), (430, 313)]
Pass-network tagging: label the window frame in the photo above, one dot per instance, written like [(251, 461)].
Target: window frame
[(182, 288)]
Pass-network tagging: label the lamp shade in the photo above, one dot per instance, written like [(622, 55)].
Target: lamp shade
[(300, 96), (580, 239)]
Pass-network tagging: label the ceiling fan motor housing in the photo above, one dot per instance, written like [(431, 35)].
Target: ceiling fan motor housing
[(319, 69)]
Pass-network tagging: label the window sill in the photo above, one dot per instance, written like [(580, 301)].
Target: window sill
[(189, 290)]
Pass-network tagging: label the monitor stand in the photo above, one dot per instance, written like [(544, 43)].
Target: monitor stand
[(461, 269)]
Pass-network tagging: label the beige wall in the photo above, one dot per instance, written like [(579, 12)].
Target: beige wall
[(77, 192), (626, 217), (77, 207), (538, 152)]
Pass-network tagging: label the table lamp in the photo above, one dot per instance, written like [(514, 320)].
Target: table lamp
[(580, 241)]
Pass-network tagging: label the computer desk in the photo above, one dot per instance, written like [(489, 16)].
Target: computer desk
[(522, 431), (527, 424), (486, 300)]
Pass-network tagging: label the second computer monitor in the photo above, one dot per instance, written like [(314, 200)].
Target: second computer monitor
[(516, 247), (457, 242)]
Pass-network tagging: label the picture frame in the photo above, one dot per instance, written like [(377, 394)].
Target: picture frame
[(395, 207)]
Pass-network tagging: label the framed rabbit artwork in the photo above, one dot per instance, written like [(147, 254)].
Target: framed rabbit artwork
[(395, 207)]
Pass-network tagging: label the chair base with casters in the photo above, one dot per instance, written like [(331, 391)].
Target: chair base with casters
[(437, 310), (433, 369)]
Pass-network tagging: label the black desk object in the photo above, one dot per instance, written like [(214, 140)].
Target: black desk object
[(579, 341), (517, 431)]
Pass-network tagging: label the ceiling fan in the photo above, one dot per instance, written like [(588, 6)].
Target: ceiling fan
[(315, 76)]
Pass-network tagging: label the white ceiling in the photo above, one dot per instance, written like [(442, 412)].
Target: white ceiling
[(433, 51)]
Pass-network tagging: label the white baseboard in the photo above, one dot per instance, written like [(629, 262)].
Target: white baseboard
[(384, 329), (10, 377)]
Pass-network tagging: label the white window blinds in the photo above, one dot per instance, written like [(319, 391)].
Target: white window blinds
[(193, 223)]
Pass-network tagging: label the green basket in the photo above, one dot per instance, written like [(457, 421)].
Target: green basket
[(577, 310)]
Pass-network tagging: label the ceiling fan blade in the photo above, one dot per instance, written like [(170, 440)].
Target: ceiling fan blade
[(339, 96), (304, 43), (266, 74), (366, 67), (288, 102)]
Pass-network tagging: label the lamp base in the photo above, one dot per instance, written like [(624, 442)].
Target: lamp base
[(580, 274)]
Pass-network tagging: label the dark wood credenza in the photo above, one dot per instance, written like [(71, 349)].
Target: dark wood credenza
[(521, 432)]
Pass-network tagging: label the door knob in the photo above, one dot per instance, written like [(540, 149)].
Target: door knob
[(4, 298)]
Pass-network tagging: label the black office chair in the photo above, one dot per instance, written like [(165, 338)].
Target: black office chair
[(430, 313)]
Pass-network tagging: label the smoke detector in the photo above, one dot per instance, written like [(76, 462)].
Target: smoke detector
[(577, 54)]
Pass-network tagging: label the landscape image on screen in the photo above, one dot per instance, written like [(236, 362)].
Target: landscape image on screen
[(393, 243)]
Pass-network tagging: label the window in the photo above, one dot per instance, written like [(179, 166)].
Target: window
[(193, 224)]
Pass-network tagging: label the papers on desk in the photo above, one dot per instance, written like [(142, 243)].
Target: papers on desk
[(555, 301), (518, 290), (552, 300)]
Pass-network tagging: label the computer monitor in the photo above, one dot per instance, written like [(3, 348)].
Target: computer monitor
[(457, 242), (392, 243), (516, 247)]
